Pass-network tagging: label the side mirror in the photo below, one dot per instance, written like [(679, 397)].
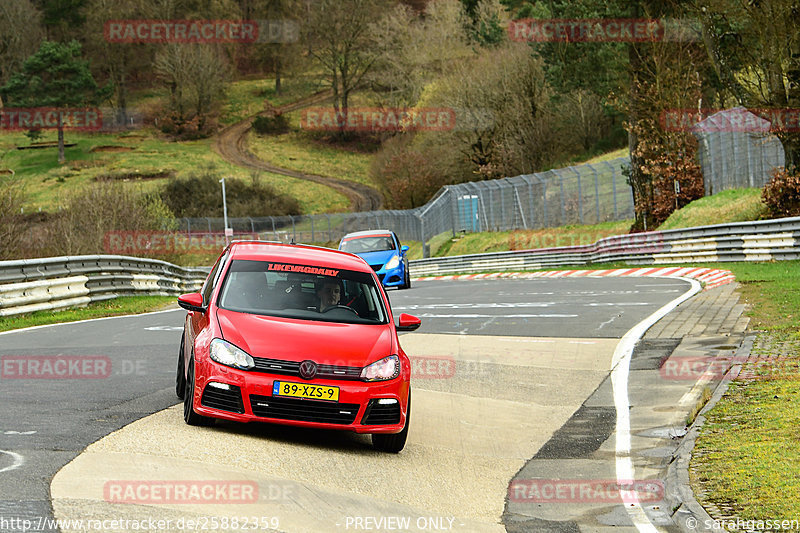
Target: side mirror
[(403, 249), (408, 323), (192, 302)]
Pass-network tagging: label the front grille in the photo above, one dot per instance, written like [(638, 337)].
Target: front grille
[(378, 415), (377, 267), (292, 368), (303, 410), (224, 400)]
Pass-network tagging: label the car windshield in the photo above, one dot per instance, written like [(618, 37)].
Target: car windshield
[(302, 292), (360, 245)]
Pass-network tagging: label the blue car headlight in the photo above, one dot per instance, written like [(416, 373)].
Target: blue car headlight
[(393, 263)]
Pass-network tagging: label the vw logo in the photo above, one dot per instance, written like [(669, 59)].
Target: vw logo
[(308, 369)]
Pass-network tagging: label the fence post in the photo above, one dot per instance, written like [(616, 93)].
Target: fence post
[(330, 235), (580, 194), (596, 192), (561, 184)]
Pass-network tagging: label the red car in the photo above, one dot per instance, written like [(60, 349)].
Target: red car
[(297, 335)]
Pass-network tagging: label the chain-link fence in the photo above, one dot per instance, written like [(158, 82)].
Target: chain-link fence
[(737, 150), (583, 194)]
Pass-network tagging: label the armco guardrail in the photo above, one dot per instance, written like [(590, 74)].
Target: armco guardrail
[(763, 240), (57, 282)]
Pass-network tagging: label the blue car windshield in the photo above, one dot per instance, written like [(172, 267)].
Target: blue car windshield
[(360, 245)]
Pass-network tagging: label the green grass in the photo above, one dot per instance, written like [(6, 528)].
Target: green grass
[(622, 152), (747, 460), (773, 292), (47, 184), (126, 305), (247, 97), (735, 205), (476, 243), (297, 150)]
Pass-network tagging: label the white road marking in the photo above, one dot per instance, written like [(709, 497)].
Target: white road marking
[(433, 315), (488, 305), (18, 461), (620, 365), (32, 328), (164, 328), (504, 305)]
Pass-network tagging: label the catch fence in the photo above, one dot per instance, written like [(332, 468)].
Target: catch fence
[(584, 194)]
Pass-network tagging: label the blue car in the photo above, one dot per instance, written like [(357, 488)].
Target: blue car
[(382, 251)]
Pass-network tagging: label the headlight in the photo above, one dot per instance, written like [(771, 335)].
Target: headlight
[(386, 368), (226, 353), (394, 262)]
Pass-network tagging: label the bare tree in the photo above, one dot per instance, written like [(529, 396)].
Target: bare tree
[(415, 48), (196, 77), (118, 61), (20, 35), (11, 221), (340, 41)]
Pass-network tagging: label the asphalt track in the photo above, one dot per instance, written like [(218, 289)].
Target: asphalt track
[(526, 354)]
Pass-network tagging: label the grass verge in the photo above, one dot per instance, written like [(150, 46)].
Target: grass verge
[(136, 159), (126, 305), (746, 461)]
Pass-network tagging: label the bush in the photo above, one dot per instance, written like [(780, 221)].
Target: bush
[(408, 175), (275, 124), (80, 226), (782, 194), (200, 195), (187, 129), (11, 219)]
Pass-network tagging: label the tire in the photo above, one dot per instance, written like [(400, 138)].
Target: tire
[(393, 443), (407, 278), (180, 378), (189, 415)]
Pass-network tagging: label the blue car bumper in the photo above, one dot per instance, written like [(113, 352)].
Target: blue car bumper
[(394, 277)]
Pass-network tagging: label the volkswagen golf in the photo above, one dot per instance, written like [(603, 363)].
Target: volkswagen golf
[(299, 335)]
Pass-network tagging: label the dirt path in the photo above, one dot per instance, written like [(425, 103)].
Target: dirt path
[(231, 144)]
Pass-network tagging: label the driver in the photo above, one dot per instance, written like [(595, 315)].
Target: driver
[(328, 293)]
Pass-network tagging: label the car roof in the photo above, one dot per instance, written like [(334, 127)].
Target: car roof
[(301, 254), (369, 233)]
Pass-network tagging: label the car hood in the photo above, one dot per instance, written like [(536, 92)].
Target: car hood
[(296, 340), (374, 258)]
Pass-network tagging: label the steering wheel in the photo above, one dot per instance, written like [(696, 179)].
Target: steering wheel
[(341, 307)]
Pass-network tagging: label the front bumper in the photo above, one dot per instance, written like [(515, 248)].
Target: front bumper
[(246, 396), (394, 277)]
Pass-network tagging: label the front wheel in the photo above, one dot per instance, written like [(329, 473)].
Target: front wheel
[(180, 378), (393, 443), (189, 415), (406, 277)]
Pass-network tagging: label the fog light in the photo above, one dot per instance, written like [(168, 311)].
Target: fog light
[(222, 386)]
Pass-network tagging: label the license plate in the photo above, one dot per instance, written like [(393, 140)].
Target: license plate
[(303, 390)]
